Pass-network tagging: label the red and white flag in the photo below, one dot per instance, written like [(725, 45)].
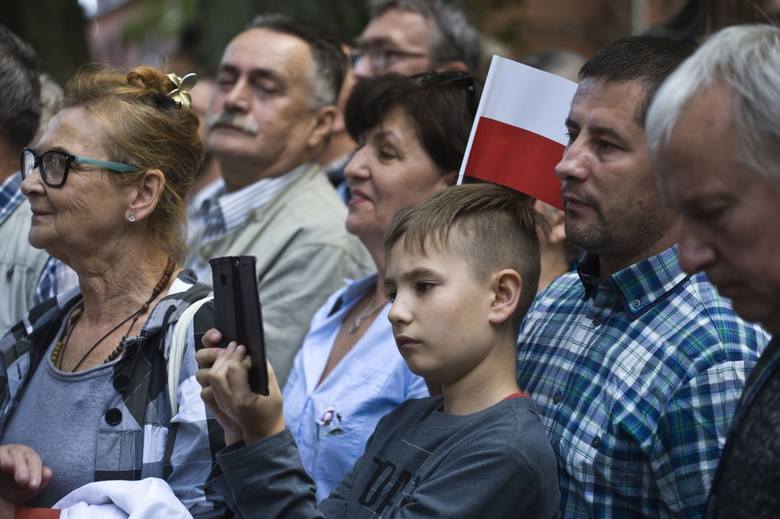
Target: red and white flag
[(519, 132)]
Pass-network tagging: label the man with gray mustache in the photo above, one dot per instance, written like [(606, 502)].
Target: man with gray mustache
[(268, 121)]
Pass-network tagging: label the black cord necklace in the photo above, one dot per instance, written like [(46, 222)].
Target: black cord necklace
[(59, 349)]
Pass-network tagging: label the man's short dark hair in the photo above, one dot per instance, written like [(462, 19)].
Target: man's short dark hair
[(20, 89), (330, 62), (457, 39), (441, 106), (646, 59)]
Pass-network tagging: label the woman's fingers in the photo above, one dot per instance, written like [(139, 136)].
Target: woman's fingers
[(21, 470), (47, 474), (23, 466), (34, 469)]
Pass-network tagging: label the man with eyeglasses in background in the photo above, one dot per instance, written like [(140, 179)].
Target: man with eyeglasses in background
[(20, 110), (404, 37), (413, 36)]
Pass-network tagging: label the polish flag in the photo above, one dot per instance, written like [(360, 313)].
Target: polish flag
[(519, 132)]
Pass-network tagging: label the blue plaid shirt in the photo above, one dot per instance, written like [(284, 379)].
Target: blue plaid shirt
[(47, 283), (636, 380), (10, 196)]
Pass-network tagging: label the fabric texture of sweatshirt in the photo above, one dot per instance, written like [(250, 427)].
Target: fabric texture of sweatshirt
[(420, 462)]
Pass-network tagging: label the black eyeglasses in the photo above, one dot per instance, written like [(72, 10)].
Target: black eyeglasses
[(54, 165)]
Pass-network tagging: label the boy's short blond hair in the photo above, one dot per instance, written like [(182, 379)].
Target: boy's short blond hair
[(490, 226)]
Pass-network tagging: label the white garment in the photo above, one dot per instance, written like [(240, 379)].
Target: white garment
[(150, 497)]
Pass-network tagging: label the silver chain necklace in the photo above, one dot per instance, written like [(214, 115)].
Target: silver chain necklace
[(363, 316)]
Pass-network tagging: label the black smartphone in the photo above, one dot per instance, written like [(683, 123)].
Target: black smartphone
[(237, 312)]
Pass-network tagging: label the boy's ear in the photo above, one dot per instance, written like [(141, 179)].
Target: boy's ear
[(145, 195), (507, 286)]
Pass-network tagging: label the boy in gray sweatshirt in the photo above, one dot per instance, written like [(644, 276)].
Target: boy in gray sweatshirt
[(462, 269)]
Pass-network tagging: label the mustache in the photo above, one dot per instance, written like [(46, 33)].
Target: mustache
[(237, 121)]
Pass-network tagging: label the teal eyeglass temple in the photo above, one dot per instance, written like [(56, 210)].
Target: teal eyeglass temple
[(108, 164)]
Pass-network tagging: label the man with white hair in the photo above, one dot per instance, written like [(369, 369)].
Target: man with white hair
[(714, 136)]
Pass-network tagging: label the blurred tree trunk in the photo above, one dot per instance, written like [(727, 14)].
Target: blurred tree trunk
[(56, 28), (218, 22)]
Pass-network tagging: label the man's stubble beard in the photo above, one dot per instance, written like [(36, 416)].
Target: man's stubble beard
[(634, 232)]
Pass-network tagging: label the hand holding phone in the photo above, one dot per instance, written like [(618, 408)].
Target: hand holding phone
[(243, 414)]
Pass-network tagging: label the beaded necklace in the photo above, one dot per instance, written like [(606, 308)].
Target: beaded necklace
[(59, 348)]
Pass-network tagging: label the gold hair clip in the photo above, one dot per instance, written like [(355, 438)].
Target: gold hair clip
[(181, 94)]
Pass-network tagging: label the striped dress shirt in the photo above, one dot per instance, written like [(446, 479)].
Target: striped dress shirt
[(224, 212)]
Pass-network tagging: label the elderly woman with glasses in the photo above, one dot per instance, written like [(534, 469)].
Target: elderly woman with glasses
[(84, 388), (411, 135)]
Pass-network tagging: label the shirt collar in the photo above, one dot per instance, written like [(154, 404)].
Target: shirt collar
[(354, 290), (640, 285), (203, 196), (237, 206)]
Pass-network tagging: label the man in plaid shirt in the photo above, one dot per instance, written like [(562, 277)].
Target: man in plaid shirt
[(636, 366), (20, 110)]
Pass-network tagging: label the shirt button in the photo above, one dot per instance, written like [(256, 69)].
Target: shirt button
[(121, 382), (557, 397), (636, 303), (596, 321), (113, 416), (596, 443)]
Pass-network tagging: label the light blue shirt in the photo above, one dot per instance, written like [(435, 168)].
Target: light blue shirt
[(332, 422)]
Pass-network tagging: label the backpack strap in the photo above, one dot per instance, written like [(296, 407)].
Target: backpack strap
[(176, 352)]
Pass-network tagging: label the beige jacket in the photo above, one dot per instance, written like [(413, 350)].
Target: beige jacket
[(20, 267), (304, 254)]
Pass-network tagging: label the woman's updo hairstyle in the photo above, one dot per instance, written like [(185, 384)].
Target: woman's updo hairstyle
[(441, 105), (145, 127)]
